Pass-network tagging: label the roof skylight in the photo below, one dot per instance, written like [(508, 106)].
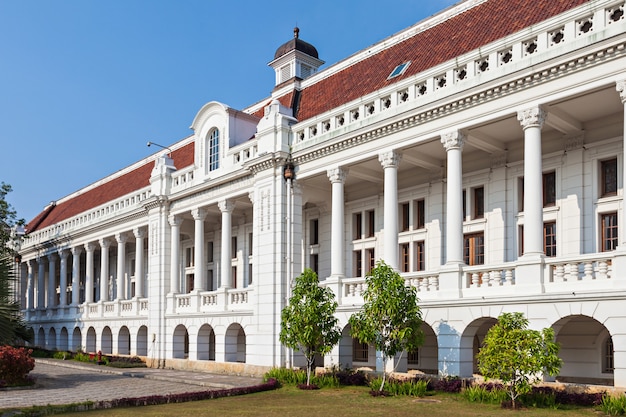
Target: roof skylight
[(399, 70)]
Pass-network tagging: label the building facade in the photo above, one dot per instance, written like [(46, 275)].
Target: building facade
[(479, 152)]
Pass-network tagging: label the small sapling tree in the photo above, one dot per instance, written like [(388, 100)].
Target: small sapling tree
[(390, 318), (308, 322), (516, 355)]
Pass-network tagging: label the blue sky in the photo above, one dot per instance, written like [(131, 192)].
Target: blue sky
[(84, 84)]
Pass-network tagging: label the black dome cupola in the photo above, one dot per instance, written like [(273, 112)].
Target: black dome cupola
[(295, 58)]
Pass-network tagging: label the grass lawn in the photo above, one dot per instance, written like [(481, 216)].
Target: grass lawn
[(327, 402)]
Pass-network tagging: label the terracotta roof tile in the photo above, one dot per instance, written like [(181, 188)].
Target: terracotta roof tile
[(110, 190), (463, 33)]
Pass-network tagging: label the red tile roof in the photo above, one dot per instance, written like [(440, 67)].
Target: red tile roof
[(110, 190), (460, 34)]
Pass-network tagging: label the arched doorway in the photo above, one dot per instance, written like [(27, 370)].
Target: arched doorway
[(123, 341), (586, 350), (142, 341), (107, 341), (180, 342), (91, 340), (235, 344), (206, 343)]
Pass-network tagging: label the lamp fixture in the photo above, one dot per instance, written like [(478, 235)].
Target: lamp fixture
[(160, 146)]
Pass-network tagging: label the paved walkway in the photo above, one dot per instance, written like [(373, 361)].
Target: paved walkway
[(65, 382)]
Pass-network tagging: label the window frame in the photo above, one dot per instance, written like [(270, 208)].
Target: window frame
[(609, 243), (605, 166), (213, 143), (471, 243)]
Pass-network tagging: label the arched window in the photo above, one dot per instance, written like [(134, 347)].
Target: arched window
[(214, 150)]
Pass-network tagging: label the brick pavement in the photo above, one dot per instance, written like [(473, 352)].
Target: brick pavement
[(66, 382)]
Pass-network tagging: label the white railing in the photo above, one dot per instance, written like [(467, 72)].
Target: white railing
[(582, 268), (489, 276)]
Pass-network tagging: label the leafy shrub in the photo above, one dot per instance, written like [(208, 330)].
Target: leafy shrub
[(124, 362), (331, 379), (484, 394), (15, 364), (286, 376), (450, 384), (357, 378), (62, 355), (413, 388), (613, 405)]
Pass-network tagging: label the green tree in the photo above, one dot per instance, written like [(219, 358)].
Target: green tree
[(516, 355), (390, 318), (11, 323), (308, 322)]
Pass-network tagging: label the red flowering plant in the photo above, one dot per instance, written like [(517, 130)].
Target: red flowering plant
[(15, 364)]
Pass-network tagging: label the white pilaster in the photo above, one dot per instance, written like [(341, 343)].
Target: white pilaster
[(89, 271), (453, 143), (532, 121), (337, 177), (121, 264), (41, 277), (390, 161), (175, 222), (226, 207), (621, 88), (76, 251), (52, 266), (104, 269), (63, 278), (30, 286), (199, 267), (140, 235)]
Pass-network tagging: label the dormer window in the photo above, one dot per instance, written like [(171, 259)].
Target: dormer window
[(399, 70), (214, 149)]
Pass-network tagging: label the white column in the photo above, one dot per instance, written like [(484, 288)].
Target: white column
[(226, 207), (41, 279), (621, 88), (390, 161), (89, 248), (52, 266), (337, 177), (30, 286), (121, 264), (63, 278), (453, 143), (532, 120), (140, 235), (76, 251), (199, 266), (175, 222), (104, 269)]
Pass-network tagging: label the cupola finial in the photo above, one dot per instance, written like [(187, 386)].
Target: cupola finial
[(296, 32)]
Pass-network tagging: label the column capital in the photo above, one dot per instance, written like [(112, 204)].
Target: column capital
[(139, 232), (390, 159), (198, 213), (121, 238), (532, 117), (453, 140), (251, 196), (174, 220), (621, 89), (104, 243), (52, 257), (90, 247), (63, 254), (226, 206), (337, 174), (76, 250)]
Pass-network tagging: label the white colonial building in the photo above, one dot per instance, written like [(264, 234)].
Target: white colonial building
[(479, 152)]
